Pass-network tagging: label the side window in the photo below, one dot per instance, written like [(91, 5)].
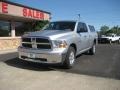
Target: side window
[(85, 27), (81, 27), (92, 29)]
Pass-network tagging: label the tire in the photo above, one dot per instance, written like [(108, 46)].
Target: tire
[(92, 50), (119, 41), (110, 41), (70, 58)]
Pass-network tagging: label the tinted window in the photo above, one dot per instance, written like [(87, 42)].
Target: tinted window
[(5, 29), (85, 27), (82, 27), (23, 27), (92, 29), (60, 26)]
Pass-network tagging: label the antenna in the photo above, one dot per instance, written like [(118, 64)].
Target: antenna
[(79, 17)]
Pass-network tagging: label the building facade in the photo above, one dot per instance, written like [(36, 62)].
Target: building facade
[(15, 19)]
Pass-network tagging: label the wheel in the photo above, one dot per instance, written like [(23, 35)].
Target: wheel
[(70, 58), (110, 41), (92, 50), (119, 41)]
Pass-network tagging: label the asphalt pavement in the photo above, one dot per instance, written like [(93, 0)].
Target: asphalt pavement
[(97, 72)]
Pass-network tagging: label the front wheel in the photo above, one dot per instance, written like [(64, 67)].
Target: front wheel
[(110, 41), (92, 50), (70, 58), (119, 41)]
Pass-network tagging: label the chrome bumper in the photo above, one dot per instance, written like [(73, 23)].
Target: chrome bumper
[(41, 56)]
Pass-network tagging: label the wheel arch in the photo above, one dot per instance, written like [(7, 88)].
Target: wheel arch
[(74, 46), (95, 41)]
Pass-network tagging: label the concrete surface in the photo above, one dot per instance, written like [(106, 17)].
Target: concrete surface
[(12, 78), (99, 72), (7, 51)]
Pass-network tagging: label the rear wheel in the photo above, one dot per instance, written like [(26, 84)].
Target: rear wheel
[(110, 41), (92, 50), (119, 41), (70, 58)]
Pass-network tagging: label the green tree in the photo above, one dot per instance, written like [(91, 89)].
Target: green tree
[(40, 24), (30, 27), (115, 30), (104, 29), (119, 31)]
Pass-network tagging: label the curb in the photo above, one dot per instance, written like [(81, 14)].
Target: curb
[(8, 51)]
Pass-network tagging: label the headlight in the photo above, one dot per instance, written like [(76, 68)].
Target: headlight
[(59, 44)]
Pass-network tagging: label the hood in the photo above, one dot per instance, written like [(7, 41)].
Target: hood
[(108, 37), (53, 34)]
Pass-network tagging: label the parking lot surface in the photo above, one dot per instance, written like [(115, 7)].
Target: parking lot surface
[(97, 72)]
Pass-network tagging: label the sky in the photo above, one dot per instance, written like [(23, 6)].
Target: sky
[(93, 12)]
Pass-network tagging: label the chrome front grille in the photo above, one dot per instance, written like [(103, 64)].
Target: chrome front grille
[(38, 43)]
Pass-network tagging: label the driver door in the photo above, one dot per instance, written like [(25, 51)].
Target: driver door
[(83, 37)]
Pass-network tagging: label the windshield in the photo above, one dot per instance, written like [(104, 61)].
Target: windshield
[(60, 26)]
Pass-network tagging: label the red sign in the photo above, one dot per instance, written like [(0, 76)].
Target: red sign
[(32, 13), (4, 7), (25, 12)]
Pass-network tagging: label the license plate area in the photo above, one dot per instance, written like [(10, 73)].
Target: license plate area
[(31, 55)]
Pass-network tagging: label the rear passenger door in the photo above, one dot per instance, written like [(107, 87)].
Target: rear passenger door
[(83, 36), (92, 35)]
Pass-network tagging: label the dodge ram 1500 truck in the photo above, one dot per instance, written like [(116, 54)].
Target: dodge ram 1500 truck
[(58, 42)]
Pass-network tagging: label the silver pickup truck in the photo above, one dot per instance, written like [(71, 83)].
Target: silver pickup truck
[(58, 42)]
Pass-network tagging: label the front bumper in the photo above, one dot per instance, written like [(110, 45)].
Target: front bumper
[(42, 56)]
